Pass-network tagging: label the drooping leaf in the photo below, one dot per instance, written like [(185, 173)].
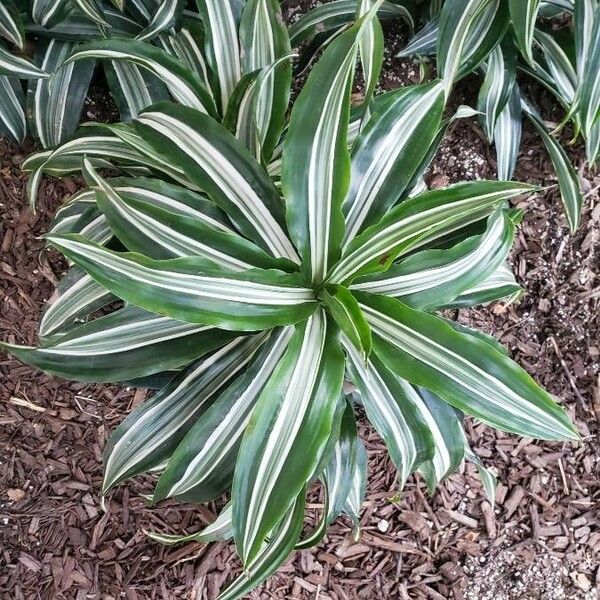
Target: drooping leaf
[(12, 108), (523, 14), (11, 24)]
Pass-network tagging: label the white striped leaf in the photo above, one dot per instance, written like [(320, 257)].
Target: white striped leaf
[(93, 11), (487, 478), (507, 135), (287, 433), (185, 86), (424, 42), (219, 164), (201, 467), (389, 151), (463, 370), (222, 49), (264, 42), (272, 554), (192, 289), (394, 409), (219, 530), (358, 490), (589, 90), (164, 18), (420, 220), (151, 432), (567, 177), (56, 103), (124, 345), (11, 24), (370, 49), (430, 279), (447, 433), (593, 145), (78, 296), (48, 12), (83, 219), (495, 90), (316, 162), (12, 111), (498, 285), (560, 69), (173, 229), (584, 17), (16, 66), (523, 15)]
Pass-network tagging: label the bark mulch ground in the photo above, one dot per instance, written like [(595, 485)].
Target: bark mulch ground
[(541, 540)]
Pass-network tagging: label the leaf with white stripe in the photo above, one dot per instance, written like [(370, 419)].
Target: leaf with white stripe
[(56, 103), (592, 145), (272, 554), (174, 229), (463, 370), (124, 345), (358, 490), (424, 42), (287, 433), (498, 285), (584, 17), (185, 86), (370, 49), (221, 19), (85, 219), (507, 135), (11, 24), (219, 530), (218, 163), (389, 151), (12, 111), (430, 279), (316, 163), (395, 410), (152, 431), (568, 182), (495, 90), (589, 91), (560, 70), (192, 289), (264, 41), (420, 220), (446, 430), (77, 297), (523, 14), (48, 12), (164, 18), (487, 478), (16, 66), (201, 468), (93, 11)]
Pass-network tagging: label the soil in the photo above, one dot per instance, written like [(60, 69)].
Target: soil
[(540, 541)]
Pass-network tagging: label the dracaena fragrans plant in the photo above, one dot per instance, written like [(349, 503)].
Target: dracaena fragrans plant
[(264, 315), (498, 39)]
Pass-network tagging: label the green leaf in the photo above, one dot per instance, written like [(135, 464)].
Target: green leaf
[(430, 279), (15, 66), (272, 555), (523, 14), (316, 163), (151, 432), (589, 101), (55, 104), (11, 25), (342, 306), (287, 433), (507, 135), (93, 11), (424, 42), (420, 220), (560, 69), (221, 18), (192, 289), (395, 410), (48, 12), (219, 164), (201, 467), (358, 490), (164, 18), (12, 112), (126, 344), (584, 17), (567, 177), (185, 86), (264, 41), (488, 479), (463, 370), (370, 49), (389, 151)]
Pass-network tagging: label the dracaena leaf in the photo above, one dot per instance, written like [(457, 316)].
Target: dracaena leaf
[(589, 91), (193, 289), (11, 24), (287, 433), (165, 17), (48, 12), (370, 49), (466, 372), (12, 111), (16, 66), (523, 14), (507, 135)]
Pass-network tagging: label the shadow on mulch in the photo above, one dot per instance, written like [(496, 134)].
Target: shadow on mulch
[(540, 541)]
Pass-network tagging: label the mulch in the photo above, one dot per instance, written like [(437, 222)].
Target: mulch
[(540, 541)]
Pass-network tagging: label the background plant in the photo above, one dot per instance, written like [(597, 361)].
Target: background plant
[(248, 307), (499, 38)]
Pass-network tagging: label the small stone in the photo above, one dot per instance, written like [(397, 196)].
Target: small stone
[(383, 525)]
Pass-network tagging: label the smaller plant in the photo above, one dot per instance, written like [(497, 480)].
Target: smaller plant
[(249, 306), (499, 38)]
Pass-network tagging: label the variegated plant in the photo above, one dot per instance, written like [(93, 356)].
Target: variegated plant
[(264, 312), (500, 38)]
